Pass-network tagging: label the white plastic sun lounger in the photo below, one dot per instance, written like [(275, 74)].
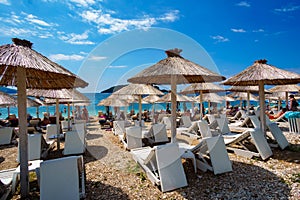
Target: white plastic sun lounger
[(6, 134), (263, 149), (62, 178), (162, 165)]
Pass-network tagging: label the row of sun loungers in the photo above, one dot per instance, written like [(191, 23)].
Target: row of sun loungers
[(61, 178)]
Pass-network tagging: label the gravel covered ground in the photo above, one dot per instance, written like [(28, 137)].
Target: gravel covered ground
[(111, 173)]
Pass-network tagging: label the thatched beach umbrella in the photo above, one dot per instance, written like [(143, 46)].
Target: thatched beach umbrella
[(23, 67), (152, 99), (261, 73), (138, 90), (175, 70), (53, 94), (248, 90), (7, 100), (286, 89), (202, 88), (179, 98)]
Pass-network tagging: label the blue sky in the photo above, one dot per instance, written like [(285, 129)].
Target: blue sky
[(98, 40)]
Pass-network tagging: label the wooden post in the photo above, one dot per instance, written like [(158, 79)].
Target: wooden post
[(140, 110), (173, 110), (262, 106), (23, 142), (57, 123), (286, 99), (200, 101), (248, 102), (69, 118)]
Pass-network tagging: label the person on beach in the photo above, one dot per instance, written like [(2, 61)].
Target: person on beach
[(277, 115), (85, 114), (292, 104)]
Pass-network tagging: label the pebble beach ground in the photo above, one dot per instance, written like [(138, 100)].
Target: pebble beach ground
[(111, 173)]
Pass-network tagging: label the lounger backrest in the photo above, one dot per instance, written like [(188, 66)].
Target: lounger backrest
[(204, 129), (6, 135), (218, 155), (211, 118), (167, 122), (51, 130), (59, 179), (223, 125), (134, 137), (119, 127), (160, 133), (34, 147), (255, 121), (186, 120), (74, 142), (261, 143), (170, 169)]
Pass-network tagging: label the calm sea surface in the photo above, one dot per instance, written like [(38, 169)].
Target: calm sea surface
[(93, 108)]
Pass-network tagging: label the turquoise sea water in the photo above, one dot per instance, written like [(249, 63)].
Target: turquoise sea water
[(93, 108)]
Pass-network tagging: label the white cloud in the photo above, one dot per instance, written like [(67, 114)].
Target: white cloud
[(5, 2), (72, 38), (9, 31), (287, 9), (219, 38), (243, 4), (107, 24), (58, 57), (84, 3), (170, 16), (259, 30), (97, 58), (238, 30), (33, 19), (117, 66)]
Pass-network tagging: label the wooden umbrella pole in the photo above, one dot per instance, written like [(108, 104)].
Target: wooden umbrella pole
[(173, 111), (69, 119), (286, 99), (23, 142), (262, 106), (57, 123), (248, 102), (140, 110), (200, 101)]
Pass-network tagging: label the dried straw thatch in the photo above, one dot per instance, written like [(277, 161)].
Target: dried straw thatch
[(179, 98), (261, 71), (138, 89), (40, 71), (7, 100), (251, 89), (213, 97), (112, 101), (203, 87), (243, 96), (285, 88), (185, 71), (151, 98)]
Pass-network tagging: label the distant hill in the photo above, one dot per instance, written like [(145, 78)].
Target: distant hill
[(113, 89), (117, 87)]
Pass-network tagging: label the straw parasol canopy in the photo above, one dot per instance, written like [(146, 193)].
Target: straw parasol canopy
[(23, 67), (39, 70), (243, 96), (114, 101), (252, 89), (175, 70), (151, 98), (7, 100), (261, 73), (139, 90), (213, 97), (202, 88), (285, 89), (179, 98)]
